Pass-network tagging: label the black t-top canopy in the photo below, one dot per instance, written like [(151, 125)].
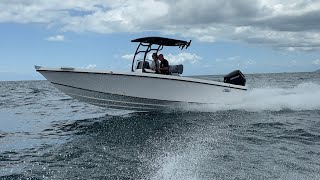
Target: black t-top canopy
[(163, 41)]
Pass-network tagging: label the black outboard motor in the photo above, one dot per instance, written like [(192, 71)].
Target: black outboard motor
[(235, 77)]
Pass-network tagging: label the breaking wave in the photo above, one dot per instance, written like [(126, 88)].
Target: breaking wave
[(305, 96)]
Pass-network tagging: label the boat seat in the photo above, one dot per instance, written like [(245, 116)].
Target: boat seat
[(146, 65), (178, 69)]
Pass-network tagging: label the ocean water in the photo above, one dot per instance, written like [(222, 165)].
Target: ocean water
[(273, 134)]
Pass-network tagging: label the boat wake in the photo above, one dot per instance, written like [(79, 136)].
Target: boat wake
[(305, 96)]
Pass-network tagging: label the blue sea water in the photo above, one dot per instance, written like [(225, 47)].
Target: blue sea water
[(273, 134)]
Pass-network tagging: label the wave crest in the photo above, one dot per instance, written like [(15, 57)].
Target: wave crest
[(305, 96)]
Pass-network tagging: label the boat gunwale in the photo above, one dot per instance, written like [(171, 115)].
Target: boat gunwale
[(147, 75)]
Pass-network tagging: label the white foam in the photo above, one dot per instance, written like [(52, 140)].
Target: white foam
[(305, 96), (181, 165)]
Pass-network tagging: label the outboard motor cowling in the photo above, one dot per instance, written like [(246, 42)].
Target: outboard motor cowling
[(235, 77)]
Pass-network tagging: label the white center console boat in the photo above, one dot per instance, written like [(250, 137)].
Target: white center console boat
[(142, 88)]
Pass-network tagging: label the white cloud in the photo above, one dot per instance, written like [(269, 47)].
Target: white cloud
[(90, 66), (120, 16), (55, 38), (291, 25), (291, 49), (127, 56), (293, 62), (183, 57), (316, 62), (234, 61), (250, 62), (180, 58), (233, 58)]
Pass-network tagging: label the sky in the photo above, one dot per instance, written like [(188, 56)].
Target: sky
[(255, 36)]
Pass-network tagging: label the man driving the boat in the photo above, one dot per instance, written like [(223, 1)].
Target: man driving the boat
[(155, 63), (164, 65)]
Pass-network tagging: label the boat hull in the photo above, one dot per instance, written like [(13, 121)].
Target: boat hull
[(141, 91)]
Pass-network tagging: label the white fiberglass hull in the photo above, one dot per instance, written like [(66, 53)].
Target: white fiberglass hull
[(142, 91)]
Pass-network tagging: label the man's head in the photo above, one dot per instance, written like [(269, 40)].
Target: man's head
[(154, 56), (161, 57)]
